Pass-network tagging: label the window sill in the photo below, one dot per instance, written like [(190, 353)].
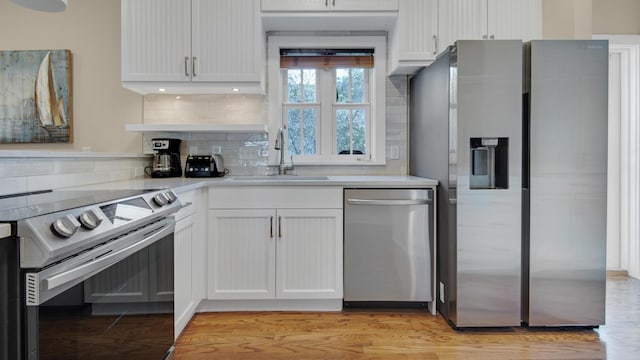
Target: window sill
[(332, 163)]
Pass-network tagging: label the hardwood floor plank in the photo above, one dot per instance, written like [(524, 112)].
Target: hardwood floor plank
[(409, 334)]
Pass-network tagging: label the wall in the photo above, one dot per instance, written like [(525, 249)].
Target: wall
[(91, 30), (579, 19), (566, 19), (616, 17)]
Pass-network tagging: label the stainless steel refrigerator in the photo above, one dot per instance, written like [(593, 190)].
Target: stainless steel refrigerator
[(466, 131), (565, 183)]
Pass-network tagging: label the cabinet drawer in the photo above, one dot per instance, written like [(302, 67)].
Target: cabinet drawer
[(260, 197)]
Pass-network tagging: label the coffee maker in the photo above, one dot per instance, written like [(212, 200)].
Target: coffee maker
[(166, 161)]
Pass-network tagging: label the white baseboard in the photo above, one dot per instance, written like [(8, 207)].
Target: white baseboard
[(270, 305)]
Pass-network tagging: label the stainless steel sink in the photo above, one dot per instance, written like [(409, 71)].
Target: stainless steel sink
[(279, 178)]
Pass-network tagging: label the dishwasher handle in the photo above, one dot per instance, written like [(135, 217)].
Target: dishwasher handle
[(388, 202)]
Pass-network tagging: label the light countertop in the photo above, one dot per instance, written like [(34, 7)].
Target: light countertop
[(186, 184)]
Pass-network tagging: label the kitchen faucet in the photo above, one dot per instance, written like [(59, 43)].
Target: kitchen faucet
[(279, 145)]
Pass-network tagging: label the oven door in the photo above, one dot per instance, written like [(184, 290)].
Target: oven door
[(114, 302)]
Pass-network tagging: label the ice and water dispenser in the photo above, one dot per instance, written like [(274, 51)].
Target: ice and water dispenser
[(489, 163)]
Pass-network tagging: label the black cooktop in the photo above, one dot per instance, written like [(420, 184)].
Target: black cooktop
[(26, 205)]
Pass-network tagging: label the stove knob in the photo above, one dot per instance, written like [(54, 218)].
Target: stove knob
[(65, 226), (171, 197), (160, 199), (89, 219)]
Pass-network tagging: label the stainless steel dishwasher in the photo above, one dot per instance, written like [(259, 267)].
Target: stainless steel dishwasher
[(387, 241)]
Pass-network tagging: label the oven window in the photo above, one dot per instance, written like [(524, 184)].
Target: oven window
[(123, 312)]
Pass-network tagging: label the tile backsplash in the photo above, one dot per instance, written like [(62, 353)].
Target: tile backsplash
[(43, 172), (243, 154), (247, 154)]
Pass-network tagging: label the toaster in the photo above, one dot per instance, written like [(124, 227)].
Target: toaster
[(203, 166)]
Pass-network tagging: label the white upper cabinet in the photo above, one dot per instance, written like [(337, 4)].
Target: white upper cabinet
[(426, 27), (192, 46), (227, 41), (329, 15), (461, 20), (414, 40), (156, 45), (330, 5), (488, 19), (514, 19)]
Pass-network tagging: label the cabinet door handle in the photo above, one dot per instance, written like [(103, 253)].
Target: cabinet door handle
[(193, 66), (186, 66), (435, 45), (485, 37), (333, 2), (271, 227), (326, 3), (279, 226), (492, 37)]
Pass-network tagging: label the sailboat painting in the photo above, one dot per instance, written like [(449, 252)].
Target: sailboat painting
[(36, 96)]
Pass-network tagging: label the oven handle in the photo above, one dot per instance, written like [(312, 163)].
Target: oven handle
[(102, 262)]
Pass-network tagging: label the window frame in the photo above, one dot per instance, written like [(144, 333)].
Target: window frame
[(377, 77)]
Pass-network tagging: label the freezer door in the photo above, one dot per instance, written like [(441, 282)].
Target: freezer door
[(487, 212), (568, 157)]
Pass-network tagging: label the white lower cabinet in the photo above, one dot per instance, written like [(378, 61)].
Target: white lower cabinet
[(293, 251), (241, 254), (189, 260), (309, 254)]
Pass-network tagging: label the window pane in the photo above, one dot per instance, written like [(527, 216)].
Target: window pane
[(302, 131), (351, 131), (350, 85), (294, 119), (301, 85), (358, 129), (343, 136), (294, 81), (342, 86), (310, 131), (357, 85), (309, 80)]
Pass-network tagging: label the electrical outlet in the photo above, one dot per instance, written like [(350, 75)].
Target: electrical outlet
[(394, 152), (441, 292)]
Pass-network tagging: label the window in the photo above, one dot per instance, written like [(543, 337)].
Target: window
[(328, 93)]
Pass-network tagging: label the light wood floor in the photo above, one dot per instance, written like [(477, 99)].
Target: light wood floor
[(408, 334)]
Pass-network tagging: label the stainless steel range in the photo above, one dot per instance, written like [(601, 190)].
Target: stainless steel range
[(95, 277)]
